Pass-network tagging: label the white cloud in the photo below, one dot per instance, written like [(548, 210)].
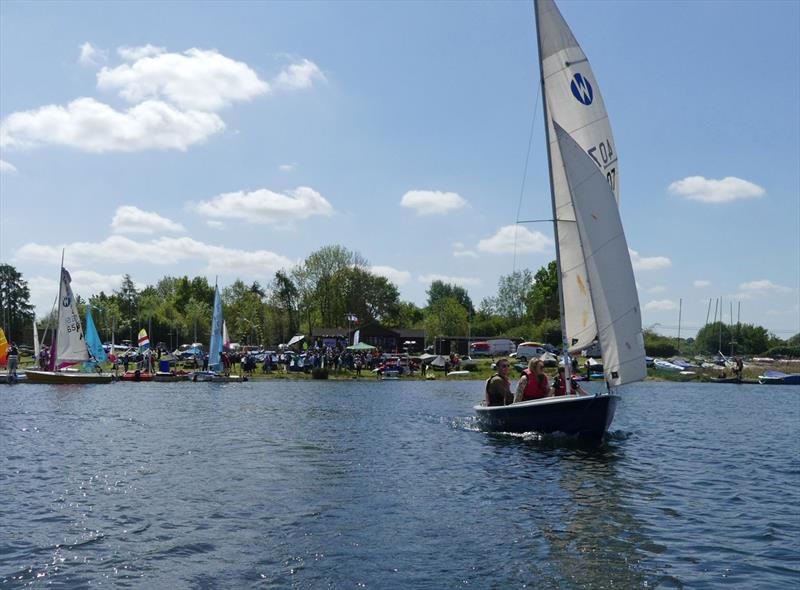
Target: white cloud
[(214, 224), (161, 251), (527, 241), (462, 281), (656, 289), (196, 79), (465, 254), (287, 167), (137, 53), (661, 305), (265, 206), (7, 168), (398, 277), (702, 283), (299, 75), (92, 126), (432, 202), (132, 220), (650, 263), (762, 287), (91, 55), (707, 190)]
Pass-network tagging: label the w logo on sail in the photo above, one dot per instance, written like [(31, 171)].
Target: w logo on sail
[(67, 301), (582, 90)]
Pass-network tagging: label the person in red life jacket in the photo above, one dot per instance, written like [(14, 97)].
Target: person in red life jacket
[(559, 383), (498, 387), (533, 383)]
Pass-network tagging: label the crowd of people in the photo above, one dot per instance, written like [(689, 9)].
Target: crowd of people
[(533, 384)]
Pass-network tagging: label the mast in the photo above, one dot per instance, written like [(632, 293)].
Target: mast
[(561, 307), (54, 359)]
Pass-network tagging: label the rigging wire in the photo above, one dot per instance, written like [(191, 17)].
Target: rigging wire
[(525, 171)]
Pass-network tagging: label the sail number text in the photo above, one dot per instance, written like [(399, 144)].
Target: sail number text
[(605, 158)]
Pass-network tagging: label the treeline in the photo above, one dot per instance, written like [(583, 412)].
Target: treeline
[(330, 285)]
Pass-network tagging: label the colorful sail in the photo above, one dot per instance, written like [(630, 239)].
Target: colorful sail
[(574, 102), (70, 342), (215, 346), (144, 341), (3, 349), (93, 342)]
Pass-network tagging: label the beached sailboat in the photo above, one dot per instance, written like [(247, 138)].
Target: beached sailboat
[(70, 346), (596, 284), (214, 372)]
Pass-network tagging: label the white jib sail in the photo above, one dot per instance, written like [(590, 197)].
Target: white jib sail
[(608, 264), (70, 344), (574, 103)]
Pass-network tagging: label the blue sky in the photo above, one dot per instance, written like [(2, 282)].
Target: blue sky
[(233, 139)]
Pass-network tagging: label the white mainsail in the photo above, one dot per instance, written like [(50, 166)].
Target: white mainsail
[(573, 101), (608, 264), (70, 344)]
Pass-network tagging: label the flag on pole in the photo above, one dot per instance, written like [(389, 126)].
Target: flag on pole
[(144, 341), (226, 342), (356, 337), (3, 348), (351, 317)]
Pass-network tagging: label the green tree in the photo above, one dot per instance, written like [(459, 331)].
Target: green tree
[(370, 297), (15, 304), (284, 300), (658, 345), (198, 312), (315, 279), (713, 338), (542, 302), (440, 290), (513, 291), (446, 317), (127, 298)]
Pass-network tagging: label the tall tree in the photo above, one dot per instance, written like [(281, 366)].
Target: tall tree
[(447, 316), (128, 301), (440, 290), (15, 304), (542, 301), (284, 300)]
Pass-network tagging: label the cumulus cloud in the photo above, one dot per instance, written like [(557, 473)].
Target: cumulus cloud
[(398, 277), (266, 206), (462, 281), (656, 289), (702, 283), (162, 251), (92, 126), (299, 75), (661, 305), (708, 190), (287, 167), (137, 53), (650, 263), (6, 167), (91, 55), (215, 224), (762, 287), (132, 220), (195, 80), (432, 202), (527, 241)]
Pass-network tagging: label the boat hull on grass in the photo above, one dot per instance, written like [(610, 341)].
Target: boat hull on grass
[(778, 378), (67, 377), (584, 415)]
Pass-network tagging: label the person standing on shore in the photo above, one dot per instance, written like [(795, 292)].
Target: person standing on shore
[(13, 361)]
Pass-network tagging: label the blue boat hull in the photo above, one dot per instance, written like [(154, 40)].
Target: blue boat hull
[(583, 415)]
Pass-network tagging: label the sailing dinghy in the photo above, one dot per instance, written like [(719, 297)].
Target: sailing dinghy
[(218, 334), (596, 284), (70, 346)]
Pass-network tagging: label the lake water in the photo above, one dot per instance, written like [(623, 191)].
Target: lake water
[(314, 484)]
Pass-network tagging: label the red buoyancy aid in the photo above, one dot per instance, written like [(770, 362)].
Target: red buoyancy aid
[(560, 386), (534, 389)]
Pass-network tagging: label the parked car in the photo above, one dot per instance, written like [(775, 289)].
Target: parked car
[(529, 350)]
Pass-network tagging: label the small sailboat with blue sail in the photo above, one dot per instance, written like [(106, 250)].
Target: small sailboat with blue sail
[(71, 345), (597, 290), (215, 371)]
